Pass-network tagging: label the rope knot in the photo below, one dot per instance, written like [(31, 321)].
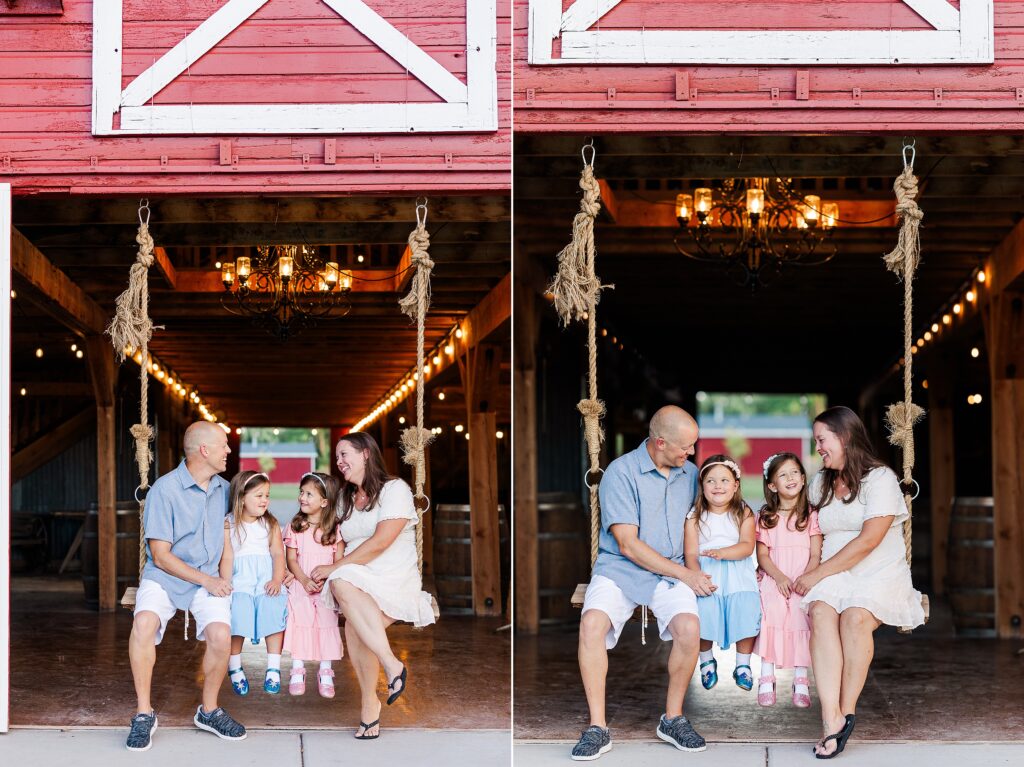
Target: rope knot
[(905, 257), (417, 301), (900, 420), (593, 411), (143, 434)]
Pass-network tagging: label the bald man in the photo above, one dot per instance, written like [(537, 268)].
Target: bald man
[(645, 496), (184, 528)]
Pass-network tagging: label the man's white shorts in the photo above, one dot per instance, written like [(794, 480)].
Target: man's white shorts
[(205, 607), (667, 602)]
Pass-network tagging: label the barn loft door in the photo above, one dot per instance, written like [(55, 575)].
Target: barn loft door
[(953, 36), (469, 106), (5, 453)]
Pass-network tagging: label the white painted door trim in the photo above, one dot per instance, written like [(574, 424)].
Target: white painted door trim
[(966, 36), (470, 106), (5, 456)]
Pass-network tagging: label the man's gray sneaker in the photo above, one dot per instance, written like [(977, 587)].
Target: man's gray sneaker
[(680, 733), (593, 742), (220, 723), (140, 737)]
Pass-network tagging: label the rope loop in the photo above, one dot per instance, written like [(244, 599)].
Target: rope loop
[(144, 491), (422, 503), (917, 488)]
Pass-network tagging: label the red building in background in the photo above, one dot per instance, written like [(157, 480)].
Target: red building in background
[(283, 462)]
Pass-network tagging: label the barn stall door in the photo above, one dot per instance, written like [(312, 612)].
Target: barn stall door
[(5, 453), (464, 106), (949, 36)]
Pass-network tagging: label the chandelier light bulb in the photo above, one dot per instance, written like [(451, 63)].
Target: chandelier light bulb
[(702, 201), (227, 274), (285, 266), (755, 201), (331, 274), (812, 206), (829, 215), (684, 207), (243, 268)]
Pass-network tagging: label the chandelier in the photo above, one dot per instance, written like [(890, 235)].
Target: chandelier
[(285, 288), (755, 227)]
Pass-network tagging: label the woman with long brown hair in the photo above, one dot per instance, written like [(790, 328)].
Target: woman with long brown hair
[(863, 580), (377, 581)]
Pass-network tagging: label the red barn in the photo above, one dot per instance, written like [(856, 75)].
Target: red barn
[(758, 437), (289, 460)]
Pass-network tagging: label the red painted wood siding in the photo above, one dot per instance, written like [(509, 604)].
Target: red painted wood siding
[(760, 449), (287, 470), (893, 98), (289, 51)]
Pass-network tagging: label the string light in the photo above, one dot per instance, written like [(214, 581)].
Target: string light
[(39, 352), (459, 428), (975, 352), (970, 296), (981, 275), (957, 308)]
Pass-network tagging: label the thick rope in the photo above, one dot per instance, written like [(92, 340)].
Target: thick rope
[(132, 328), (901, 417), (415, 439), (577, 290)]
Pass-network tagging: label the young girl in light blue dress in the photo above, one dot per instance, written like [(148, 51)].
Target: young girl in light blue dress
[(719, 540), (254, 562)]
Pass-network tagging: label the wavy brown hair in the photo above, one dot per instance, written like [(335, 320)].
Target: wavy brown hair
[(374, 477), (328, 523), (737, 507), (769, 514), (244, 482), (860, 455)]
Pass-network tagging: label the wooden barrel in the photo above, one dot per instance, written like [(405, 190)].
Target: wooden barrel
[(127, 550), (563, 553), (970, 573), (453, 574)]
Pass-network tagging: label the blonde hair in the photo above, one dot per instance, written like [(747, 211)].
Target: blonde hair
[(245, 482)]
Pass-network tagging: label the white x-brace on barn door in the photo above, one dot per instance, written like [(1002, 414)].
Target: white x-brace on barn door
[(469, 106), (964, 36)]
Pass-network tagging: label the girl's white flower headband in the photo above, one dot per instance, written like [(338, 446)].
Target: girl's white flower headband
[(732, 465), (768, 462)]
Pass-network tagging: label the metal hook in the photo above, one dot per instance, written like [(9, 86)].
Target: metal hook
[(144, 206), (917, 492), (425, 499), (912, 146), (586, 477), (144, 493), (421, 211), (593, 153)]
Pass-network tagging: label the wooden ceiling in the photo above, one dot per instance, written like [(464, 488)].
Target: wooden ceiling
[(833, 328), (328, 375)]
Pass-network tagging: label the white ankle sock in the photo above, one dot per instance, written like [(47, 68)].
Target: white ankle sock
[(767, 669), (274, 661), (742, 660), (325, 664), (800, 671), (296, 668), (706, 655), (235, 664)]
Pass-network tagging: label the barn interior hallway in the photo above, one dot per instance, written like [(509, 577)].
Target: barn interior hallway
[(74, 519), (678, 330)]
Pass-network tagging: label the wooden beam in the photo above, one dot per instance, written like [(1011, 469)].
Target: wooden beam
[(609, 203), (55, 292), (529, 284), (164, 266), (1005, 267), (104, 380), (942, 467), (485, 547), (47, 447), (403, 274), (487, 316), (1004, 334)]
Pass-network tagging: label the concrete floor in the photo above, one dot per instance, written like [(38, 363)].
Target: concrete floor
[(927, 686), (658, 754), (277, 748), (69, 668)]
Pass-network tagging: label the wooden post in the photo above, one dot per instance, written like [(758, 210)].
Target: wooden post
[(1004, 332), (104, 378), (524, 469), (942, 471), (485, 547)]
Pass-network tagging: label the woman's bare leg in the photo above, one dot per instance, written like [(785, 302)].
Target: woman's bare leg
[(827, 661), (856, 631)]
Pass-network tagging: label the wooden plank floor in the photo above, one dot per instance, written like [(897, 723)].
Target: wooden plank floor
[(925, 687), (69, 668)]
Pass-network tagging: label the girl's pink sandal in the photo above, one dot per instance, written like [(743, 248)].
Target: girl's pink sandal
[(766, 698), (801, 700), (297, 687), (325, 682)]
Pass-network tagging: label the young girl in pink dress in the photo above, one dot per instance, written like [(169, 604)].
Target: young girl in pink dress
[(312, 540), (788, 545)]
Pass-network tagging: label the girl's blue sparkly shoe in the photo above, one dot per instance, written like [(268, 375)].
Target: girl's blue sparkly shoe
[(271, 685), (709, 677), (744, 679), (240, 686)]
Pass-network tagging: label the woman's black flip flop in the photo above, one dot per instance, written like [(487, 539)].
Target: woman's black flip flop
[(391, 686), (366, 728), (840, 738)]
